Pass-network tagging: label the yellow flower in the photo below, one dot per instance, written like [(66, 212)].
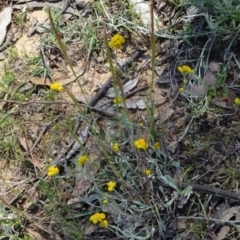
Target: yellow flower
[(141, 144), (156, 145), (105, 201), (111, 186), (97, 218), (104, 224), (237, 101), (117, 100), (56, 86), (82, 159), (185, 81), (115, 147), (147, 171), (185, 69), (116, 41), (52, 171), (181, 89)]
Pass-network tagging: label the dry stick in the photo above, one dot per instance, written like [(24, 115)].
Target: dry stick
[(44, 129), (35, 102), (206, 189), (211, 190), (209, 219)]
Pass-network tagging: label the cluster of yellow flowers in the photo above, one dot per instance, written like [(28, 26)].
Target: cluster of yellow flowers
[(82, 159), (185, 69), (99, 218), (52, 171), (141, 144), (117, 41), (111, 186), (56, 86), (115, 147)]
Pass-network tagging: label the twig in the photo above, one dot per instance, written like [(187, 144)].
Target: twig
[(206, 189), (44, 129), (35, 102), (209, 219), (211, 190)]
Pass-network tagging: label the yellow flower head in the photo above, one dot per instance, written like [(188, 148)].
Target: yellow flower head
[(52, 171), (105, 201), (157, 145), (237, 101), (147, 171), (56, 86), (181, 89), (104, 224), (111, 186), (117, 100), (141, 144), (82, 159), (116, 41), (97, 218), (115, 147), (185, 69)]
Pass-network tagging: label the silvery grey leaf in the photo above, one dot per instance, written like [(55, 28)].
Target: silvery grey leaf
[(5, 19), (130, 85), (164, 80), (168, 180), (209, 79), (198, 90), (135, 104), (160, 70), (105, 105)]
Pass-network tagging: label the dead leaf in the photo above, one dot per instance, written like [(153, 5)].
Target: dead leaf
[(223, 233), (47, 82), (25, 143), (126, 88), (34, 160), (135, 104), (226, 216), (34, 234), (5, 19), (164, 80), (164, 112), (40, 81)]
